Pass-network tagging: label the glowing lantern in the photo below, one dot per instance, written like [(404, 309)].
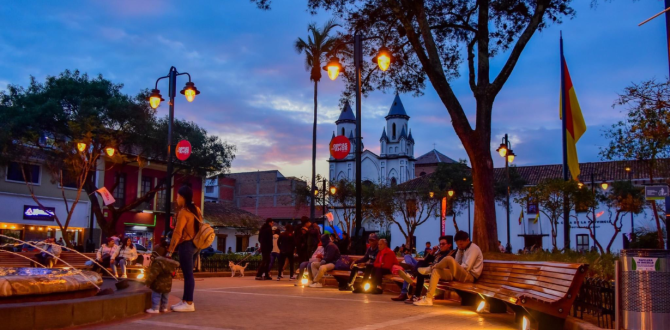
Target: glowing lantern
[(333, 67), (190, 91)]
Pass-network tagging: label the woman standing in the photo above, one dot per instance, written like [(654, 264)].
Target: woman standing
[(286, 249), (187, 226), (124, 254)]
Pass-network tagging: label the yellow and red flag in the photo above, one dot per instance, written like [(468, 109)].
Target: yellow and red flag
[(573, 122)]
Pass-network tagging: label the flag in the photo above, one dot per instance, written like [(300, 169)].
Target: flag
[(537, 218), (329, 216), (574, 121), (107, 198), (521, 217)]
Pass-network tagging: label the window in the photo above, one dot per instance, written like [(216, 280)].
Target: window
[(342, 130), (147, 184), (394, 131), (120, 191), (394, 182), (582, 242), (160, 199), (14, 173), (209, 190), (69, 180)]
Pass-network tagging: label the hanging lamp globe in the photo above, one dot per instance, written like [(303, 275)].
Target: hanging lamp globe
[(190, 91), (333, 67), (155, 98), (383, 58)]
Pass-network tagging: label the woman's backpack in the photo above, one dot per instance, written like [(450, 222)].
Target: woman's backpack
[(205, 236)]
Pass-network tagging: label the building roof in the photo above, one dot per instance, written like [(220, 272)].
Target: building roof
[(397, 109), (347, 115), (283, 212), (410, 138), (602, 171), (403, 133), (384, 137), (226, 214), (433, 157)]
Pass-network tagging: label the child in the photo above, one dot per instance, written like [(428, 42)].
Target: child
[(159, 279)]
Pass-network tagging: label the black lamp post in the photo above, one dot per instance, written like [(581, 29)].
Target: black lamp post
[(630, 180), (383, 60), (189, 91), (505, 150)]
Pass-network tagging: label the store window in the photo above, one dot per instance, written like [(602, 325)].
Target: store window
[(15, 173), (582, 242), (209, 189), (68, 179)]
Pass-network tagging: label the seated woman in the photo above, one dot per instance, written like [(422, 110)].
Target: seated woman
[(384, 262), (104, 255), (124, 254)]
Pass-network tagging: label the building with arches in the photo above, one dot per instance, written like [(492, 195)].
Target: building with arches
[(394, 164)]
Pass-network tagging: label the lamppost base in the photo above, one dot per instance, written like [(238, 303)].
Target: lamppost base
[(508, 248)]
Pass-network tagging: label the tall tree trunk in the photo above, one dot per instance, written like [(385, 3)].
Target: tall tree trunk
[(311, 205), (485, 231)]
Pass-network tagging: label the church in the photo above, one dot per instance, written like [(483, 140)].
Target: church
[(395, 163)]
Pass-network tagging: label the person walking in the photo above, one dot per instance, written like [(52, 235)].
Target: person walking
[(300, 237), (187, 226), (274, 255), (265, 238), (286, 249)]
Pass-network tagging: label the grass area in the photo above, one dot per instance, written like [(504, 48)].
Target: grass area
[(601, 266)]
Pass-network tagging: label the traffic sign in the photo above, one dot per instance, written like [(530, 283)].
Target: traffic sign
[(656, 192), (340, 147), (183, 150)]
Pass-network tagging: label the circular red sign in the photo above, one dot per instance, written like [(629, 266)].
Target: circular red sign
[(183, 150), (340, 147)]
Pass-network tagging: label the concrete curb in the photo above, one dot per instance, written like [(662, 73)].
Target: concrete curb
[(75, 312)]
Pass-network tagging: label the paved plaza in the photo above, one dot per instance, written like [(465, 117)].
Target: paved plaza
[(243, 303)]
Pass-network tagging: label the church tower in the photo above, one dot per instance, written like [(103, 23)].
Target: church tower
[(397, 139)]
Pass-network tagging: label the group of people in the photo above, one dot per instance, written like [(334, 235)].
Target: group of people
[(113, 255), (303, 240)]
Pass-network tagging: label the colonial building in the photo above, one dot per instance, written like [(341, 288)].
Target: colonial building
[(395, 162)]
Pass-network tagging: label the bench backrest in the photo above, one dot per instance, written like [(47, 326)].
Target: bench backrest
[(541, 281)]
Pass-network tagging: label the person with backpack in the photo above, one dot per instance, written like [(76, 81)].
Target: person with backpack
[(189, 221)]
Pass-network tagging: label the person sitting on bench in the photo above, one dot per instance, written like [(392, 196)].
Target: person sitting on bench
[(434, 255), (383, 264), (49, 256), (331, 253), (306, 265), (466, 267), (364, 263)]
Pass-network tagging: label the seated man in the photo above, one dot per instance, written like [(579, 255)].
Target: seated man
[(366, 262), (331, 253), (48, 254), (316, 257), (466, 267), (103, 256), (384, 262), (433, 256)]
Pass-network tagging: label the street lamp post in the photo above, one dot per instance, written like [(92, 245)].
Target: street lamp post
[(189, 91), (505, 150), (630, 180), (383, 60)]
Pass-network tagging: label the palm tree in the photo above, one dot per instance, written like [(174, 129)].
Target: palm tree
[(317, 48)]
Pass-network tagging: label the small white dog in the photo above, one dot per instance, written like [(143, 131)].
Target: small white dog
[(235, 268)]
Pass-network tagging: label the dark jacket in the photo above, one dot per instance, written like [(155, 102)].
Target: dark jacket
[(370, 255), (437, 257), (265, 238), (313, 235), (286, 243), (344, 246), (331, 253), (300, 238), (159, 276)]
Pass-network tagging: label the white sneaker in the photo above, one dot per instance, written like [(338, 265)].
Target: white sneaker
[(185, 308), (425, 301), (152, 311), (425, 270), (316, 285), (124, 276), (177, 304)]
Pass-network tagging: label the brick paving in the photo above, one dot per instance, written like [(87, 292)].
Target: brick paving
[(243, 303)]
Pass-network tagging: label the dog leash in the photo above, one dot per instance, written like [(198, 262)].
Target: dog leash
[(245, 258)]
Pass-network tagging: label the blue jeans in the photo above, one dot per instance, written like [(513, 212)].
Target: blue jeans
[(186, 253), (159, 301), (274, 256), (121, 262), (410, 261)]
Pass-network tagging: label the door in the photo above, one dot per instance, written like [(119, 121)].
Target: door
[(221, 243)]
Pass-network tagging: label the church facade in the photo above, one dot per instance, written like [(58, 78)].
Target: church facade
[(395, 162)]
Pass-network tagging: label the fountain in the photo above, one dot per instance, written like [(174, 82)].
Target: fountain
[(73, 297)]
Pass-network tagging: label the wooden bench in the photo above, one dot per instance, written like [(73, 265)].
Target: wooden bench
[(542, 291), (342, 276), (75, 260)]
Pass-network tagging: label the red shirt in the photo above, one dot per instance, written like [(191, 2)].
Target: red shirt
[(386, 259)]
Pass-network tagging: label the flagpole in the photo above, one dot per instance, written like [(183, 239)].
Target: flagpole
[(566, 211)]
